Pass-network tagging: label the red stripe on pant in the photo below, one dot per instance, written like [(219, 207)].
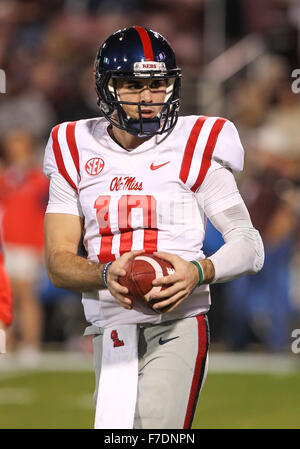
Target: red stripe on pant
[(203, 343)]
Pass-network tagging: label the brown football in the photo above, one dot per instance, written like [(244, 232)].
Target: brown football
[(140, 272)]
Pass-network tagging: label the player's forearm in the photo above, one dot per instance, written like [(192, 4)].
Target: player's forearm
[(208, 271), (70, 271), (242, 254), (243, 251)]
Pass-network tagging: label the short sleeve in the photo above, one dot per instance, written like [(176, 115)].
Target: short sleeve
[(63, 194), (63, 199), (211, 143), (49, 159), (229, 151), (62, 155)]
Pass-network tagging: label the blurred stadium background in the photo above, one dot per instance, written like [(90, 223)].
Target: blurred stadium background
[(239, 59)]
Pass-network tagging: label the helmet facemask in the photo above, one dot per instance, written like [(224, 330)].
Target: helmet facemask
[(112, 107)]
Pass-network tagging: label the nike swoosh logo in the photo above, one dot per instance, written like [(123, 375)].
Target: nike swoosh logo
[(162, 342), (155, 167)]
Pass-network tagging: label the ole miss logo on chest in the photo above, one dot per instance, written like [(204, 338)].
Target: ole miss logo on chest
[(125, 183)]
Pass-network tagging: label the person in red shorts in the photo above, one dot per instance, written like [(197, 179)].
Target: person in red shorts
[(23, 198)]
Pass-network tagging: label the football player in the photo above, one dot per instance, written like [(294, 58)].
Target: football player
[(142, 179)]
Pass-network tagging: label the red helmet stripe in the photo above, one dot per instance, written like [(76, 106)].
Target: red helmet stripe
[(148, 51)]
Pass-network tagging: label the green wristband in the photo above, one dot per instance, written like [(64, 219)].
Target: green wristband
[(200, 271)]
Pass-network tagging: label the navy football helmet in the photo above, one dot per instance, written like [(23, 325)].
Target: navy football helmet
[(137, 52)]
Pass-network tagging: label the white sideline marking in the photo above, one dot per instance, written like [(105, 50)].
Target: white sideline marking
[(48, 361), (253, 363), (218, 362)]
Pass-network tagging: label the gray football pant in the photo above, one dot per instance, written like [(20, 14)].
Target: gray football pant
[(172, 370)]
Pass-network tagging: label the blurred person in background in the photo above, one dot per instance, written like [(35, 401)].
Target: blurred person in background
[(23, 198), (22, 27), (267, 313)]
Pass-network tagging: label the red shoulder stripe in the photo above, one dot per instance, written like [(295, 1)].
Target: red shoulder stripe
[(208, 152), (190, 148), (148, 51), (59, 159), (71, 141)]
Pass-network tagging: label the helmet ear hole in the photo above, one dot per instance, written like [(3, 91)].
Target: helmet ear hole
[(105, 98)]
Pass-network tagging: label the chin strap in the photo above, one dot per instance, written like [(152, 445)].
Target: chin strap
[(148, 125)]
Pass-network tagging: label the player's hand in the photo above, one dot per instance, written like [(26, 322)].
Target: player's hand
[(184, 281), (115, 270)]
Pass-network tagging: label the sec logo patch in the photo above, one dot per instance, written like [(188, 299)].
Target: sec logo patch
[(94, 166)]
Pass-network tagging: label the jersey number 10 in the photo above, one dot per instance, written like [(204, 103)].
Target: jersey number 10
[(124, 226)]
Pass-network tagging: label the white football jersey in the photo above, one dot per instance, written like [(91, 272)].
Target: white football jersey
[(149, 197)]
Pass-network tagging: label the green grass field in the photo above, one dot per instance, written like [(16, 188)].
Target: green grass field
[(63, 400)]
